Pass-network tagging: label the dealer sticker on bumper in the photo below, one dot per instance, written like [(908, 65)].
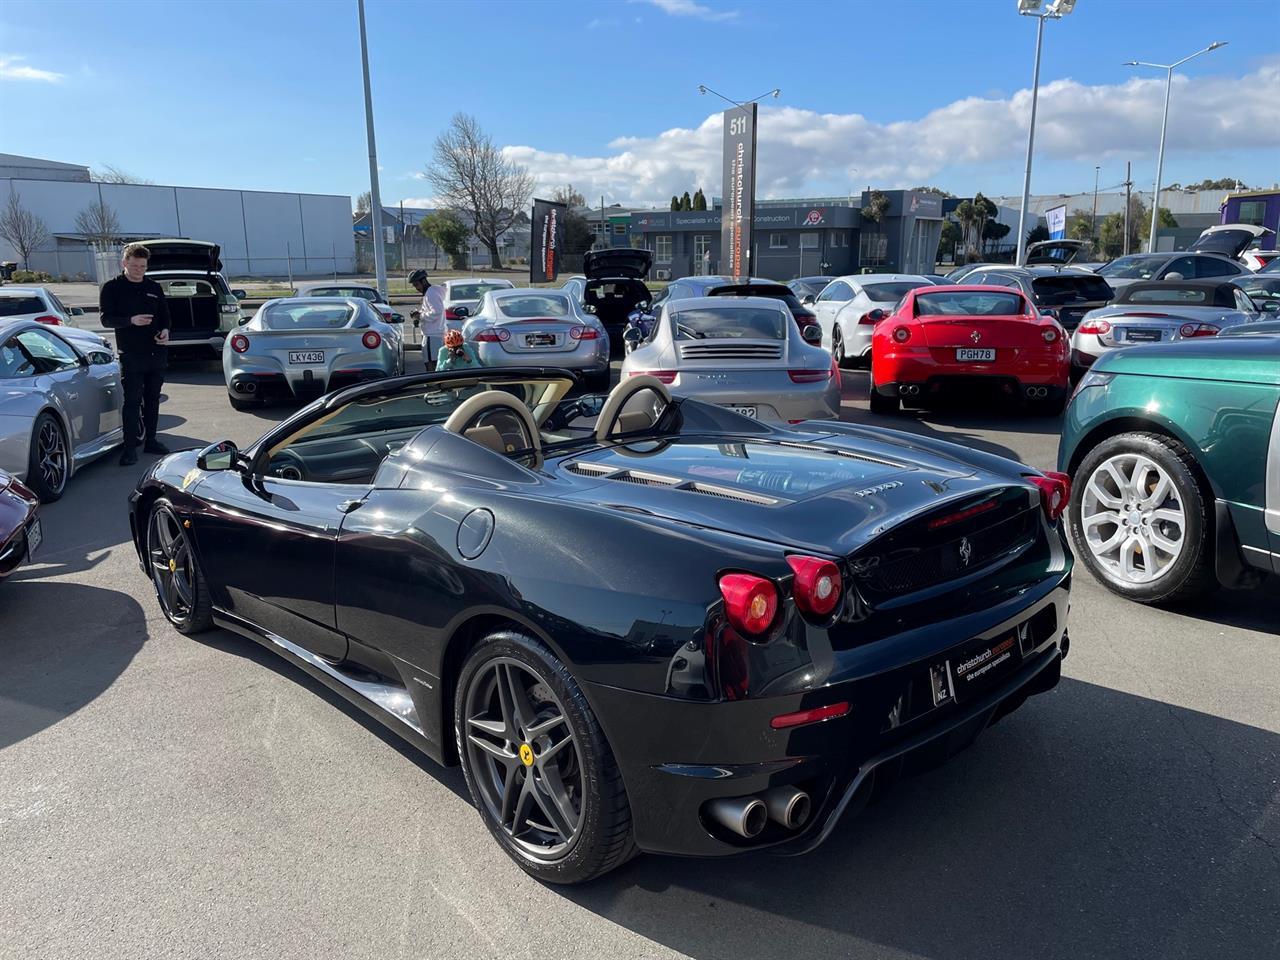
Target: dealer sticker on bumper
[(35, 536)]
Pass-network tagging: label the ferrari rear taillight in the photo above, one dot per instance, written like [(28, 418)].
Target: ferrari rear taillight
[(584, 333), (49, 319), (1098, 327), (239, 343), (371, 339), (809, 376), (902, 334), (1050, 335), (1055, 493), (665, 376), (817, 585), (1189, 330), (492, 335), (750, 602)]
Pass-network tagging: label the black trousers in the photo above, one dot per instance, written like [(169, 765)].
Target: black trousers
[(141, 402)]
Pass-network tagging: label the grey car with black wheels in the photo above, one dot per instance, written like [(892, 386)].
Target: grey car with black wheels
[(60, 399)]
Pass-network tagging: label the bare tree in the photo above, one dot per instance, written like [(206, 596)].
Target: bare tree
[(113, 174), (569, 196), (22, 228), (364, 203), (470, 174), (99, 224)]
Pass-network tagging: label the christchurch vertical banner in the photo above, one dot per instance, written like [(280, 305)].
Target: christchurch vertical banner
[(739, 190), (547, 241)]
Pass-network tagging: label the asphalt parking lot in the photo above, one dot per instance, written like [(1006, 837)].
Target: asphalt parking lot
[(164, 796)]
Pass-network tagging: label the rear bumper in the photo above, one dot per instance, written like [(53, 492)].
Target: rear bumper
[(272, 385), (919, 368), (773, 394), (671, 773), (591, 356)]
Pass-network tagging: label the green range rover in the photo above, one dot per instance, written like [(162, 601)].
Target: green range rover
[(1174, 455)]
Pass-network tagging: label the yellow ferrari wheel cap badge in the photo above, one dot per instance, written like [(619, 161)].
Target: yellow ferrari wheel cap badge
[(526, 754), (173, 566)]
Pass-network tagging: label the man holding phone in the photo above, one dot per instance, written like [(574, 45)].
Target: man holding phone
[(134, 307)]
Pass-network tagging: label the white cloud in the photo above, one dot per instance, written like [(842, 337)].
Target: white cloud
[(11, 68), (687, 8), (802, 152)]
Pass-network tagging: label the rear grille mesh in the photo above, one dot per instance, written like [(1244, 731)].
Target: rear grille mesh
[(730, 351), (904, 571)]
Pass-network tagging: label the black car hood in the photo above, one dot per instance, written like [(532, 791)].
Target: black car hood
[(829, 493), (1228, 239), (184, 255), (634, 264)]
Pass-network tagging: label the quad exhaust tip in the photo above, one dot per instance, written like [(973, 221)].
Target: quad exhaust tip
[(247, 386), (1037, 393), (909, 389), (787, 806)]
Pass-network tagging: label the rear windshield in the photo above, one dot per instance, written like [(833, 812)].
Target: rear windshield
[(472, 291), (527, 307), (893, 291), (971, 303), (1167, 296), (356, 293), (300, 316), (739, 323), (1132, 268), (16, 306), (770, 292), (1052, 291)]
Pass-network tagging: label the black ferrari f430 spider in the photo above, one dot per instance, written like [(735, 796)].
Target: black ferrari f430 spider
[(639, 623)]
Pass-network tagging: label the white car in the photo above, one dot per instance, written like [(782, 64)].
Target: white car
[(1256, 259), (845, 306), (358, 291), (467, 292), (744, 353), (38, 304)]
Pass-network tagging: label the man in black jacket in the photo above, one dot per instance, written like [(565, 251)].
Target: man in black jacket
[(134, 307)]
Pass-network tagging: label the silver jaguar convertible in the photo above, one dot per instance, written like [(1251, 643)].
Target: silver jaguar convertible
[(306, 346)]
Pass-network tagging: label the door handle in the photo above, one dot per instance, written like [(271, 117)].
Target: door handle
[(73, 396)]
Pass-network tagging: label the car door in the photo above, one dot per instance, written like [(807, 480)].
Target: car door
[(64, 373), (268, 548), (828, 304)]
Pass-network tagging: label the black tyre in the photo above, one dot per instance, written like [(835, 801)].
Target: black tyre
[(1140, 519), (49, 460), (538, 766), (838, 348), (175, 572), (881, 404)]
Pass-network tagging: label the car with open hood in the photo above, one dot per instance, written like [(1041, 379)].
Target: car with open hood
[(1062, 253), (639, 622), (613, 287), (1212, 256), (203, 309)]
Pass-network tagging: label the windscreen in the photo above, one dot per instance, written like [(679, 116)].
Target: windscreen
[(738, 323), (1053, 291), (302, 316), (1262, 288), (356, 293), (472, 291), (770, 291), (941, 302), (893, 291), (1132, 268), (1185, 295), (16, 306), (535, 306)]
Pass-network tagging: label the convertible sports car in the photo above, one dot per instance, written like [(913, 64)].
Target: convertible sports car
[(20, 532), (60, 400), (638, 622), (306, 346), (985, 335)]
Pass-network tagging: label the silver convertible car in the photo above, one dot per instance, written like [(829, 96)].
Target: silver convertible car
[(524, 327), (746, 354), (1161, 312), (60, 400), (306, 346)]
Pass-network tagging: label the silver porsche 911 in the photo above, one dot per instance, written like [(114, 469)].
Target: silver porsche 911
[(60, 400), (305, 346), (746, 354)]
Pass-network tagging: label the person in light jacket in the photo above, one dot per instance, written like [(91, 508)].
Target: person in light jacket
[(456, 354), (429, 315)]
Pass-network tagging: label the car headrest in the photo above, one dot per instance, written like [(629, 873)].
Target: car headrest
[(463, 421), (611, 419), (487, 437)]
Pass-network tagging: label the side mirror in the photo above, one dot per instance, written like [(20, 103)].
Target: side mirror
[(812, 334), (808, 298), (242, 321), (1270, 306), (631, 335), (877, 315), (76, 311), (396, 318), (462, 312), (240, 294), (223, 455)]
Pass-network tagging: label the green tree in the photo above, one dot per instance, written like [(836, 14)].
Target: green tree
[(1165, 218), (936, 191), (1038, 234), (675, 203), (994, 230), (875, 209), (1080, 224), (949, 240), (966, 216), (446, 230), (699, 200), (686, 203)]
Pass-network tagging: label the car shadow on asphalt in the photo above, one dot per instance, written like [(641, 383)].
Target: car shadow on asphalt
[(63, 644), (1091, 823)]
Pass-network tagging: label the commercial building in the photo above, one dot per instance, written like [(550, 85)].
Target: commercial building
[(262, 233), (795, 238), (1258, 207)]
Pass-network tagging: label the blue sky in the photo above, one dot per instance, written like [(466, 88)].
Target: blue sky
[(267, 95)]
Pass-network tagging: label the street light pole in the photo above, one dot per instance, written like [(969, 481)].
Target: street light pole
[(1164, 127), (1093, 219), (375, 197), (1056, 10)]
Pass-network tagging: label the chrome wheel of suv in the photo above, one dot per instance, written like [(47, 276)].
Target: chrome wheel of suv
[(1132, 518)]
